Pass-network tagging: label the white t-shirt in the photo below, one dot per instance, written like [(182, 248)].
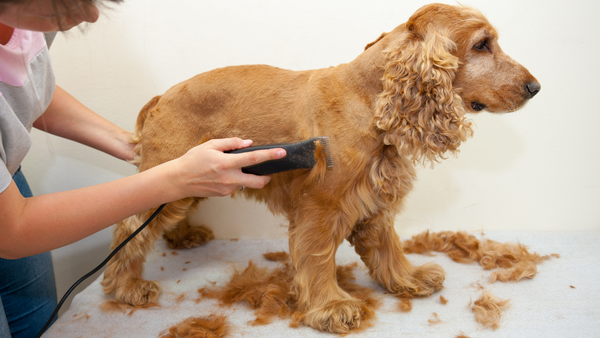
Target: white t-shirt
[(26, 88)]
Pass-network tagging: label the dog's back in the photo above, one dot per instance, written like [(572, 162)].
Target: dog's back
[(258, 102), (244, 101)]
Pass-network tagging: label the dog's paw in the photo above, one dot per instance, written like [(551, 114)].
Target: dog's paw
[(194, 236), (138, 292), (430, 278), (339, 316), (426, 279)]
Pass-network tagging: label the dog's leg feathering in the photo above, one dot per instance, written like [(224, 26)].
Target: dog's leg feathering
[(379, 247), (323, 304)]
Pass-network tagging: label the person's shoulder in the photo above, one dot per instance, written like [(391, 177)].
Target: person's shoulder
[(23, 45), (26, 41)]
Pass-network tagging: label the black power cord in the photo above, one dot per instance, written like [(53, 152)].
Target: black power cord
[(114, 252)]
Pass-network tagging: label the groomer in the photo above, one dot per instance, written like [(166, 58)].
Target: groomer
[(32, 226)]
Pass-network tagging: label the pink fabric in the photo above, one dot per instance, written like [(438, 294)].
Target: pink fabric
[(17, 54)]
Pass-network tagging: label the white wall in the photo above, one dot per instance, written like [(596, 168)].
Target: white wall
[(537, 169)]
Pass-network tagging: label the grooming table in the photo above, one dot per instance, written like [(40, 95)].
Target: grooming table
[(561, 301)]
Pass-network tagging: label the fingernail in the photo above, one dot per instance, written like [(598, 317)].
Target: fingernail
[(246, 143), (280, 153)]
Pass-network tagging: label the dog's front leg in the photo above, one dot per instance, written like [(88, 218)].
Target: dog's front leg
[(379, 247), (324, 305)]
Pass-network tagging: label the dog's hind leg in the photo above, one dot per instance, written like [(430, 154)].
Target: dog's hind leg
[(313, 244), (186, 236), (379, 247), (123, 276)]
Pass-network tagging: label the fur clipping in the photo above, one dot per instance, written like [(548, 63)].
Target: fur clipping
[(268, 292), (212, 326), (515, 261), (488, 309), (405, 305)]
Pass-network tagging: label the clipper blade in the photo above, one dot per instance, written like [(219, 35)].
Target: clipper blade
[(326, 150)]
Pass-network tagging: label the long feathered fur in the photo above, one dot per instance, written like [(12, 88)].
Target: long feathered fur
[(419, 111)]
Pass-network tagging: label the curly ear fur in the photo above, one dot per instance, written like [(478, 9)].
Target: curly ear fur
[(418, 111)]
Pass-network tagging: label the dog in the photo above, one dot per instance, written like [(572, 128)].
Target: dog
[(399, 104)]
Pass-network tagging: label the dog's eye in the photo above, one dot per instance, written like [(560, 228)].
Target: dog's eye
[(483, 46)]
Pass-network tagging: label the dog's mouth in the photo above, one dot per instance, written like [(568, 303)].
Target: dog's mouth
[(477, 106)]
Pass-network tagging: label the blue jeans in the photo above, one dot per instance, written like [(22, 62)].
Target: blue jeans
[(27, 288)]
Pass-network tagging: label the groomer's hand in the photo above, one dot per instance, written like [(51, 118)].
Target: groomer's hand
[(205, 171)]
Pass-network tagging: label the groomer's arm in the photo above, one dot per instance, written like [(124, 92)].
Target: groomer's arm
[(38, 224), (66, 117)]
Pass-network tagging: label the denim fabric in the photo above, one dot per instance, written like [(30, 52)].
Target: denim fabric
[(27, 288), (4, 329)]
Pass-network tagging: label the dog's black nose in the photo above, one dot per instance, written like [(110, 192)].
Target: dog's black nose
[(533, 88)]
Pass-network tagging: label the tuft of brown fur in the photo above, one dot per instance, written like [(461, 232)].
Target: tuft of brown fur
[(443, 300), (213, 326), (405, 305), (114, 306), (400, 103), (85, 315), (186, 236), (435, 319), (265, 291), (488, 309), (279, 256), (519, 270), (514, 258), (180, 298), (268, 292)]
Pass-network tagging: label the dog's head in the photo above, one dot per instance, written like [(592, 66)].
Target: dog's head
[(443, 62), (486, 78)]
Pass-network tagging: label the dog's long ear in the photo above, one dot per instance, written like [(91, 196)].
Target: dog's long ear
[(418, 110)]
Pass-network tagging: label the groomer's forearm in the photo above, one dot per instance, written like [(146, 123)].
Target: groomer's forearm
[(66, 117), (55, 220)]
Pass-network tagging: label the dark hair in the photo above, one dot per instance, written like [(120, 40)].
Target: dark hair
[(56, 4), (59, 5)]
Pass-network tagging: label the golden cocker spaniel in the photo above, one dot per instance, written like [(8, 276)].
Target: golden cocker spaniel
[(400, 103)]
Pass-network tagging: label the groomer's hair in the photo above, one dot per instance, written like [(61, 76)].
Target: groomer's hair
[(57, 4)]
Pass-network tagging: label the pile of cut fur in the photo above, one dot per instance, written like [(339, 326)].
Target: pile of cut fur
[(212, 326), (268, 291), (515, 261)]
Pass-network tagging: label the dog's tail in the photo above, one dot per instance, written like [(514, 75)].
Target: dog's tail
[(139, 125)]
